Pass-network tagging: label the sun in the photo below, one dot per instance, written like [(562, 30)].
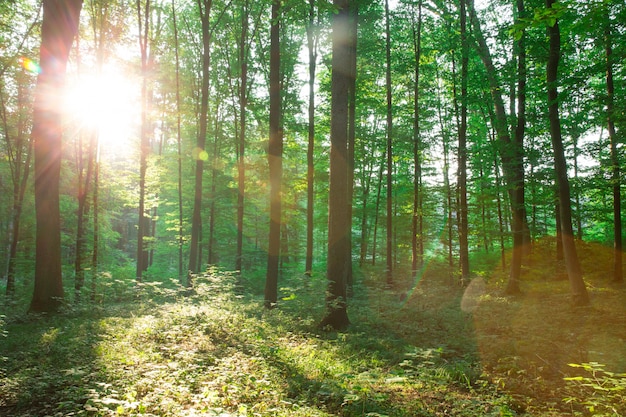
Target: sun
[(107, 103)]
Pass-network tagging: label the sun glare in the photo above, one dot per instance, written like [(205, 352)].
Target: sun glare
[(109, 104)]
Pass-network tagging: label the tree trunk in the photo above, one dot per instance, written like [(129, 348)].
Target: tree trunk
[(351, 135), (311, 36), (204, 7), (511, 153), (336, 304), (462, 161), (179, 150), (144, 28), (574, 272), (416, 235), (275, 154), (59, 26), (389, 271), (615, 166), (241, 144)]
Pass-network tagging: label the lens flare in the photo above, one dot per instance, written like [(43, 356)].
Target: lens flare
[(29, 65)]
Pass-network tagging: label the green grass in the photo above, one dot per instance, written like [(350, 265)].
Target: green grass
[(425, 348)]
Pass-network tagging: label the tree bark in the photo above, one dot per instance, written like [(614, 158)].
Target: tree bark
[(275, 155), (60, 24), (336, 299), (204, 7), (416, 235), (462, 161), (574, 272), (241, 144)]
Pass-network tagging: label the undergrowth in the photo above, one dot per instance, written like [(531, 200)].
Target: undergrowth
[(425, 347)]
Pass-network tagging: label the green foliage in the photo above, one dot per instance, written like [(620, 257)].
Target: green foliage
[(600, 391)]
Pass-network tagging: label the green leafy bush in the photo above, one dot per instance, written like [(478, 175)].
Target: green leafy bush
[(598, 390)]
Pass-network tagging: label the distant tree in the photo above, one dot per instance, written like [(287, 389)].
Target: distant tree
[(59, 26), (338, 229), (143, 23), (389, 160), (19, 154), (312, 39), (615, 164)]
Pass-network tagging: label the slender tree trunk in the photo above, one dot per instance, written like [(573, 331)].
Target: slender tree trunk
[(615, 164), (389, 271), (204, 7), (381, 171), (416, 235), (179, 150), (574, 272), (311, 36), (338, 229), (144, 28), (275, 154), (462, 161), (59, 26), (241, 144)]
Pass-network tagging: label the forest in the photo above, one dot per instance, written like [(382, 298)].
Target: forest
[(312, 208)]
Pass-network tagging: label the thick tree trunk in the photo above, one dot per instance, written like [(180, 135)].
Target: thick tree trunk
[(351, 135), (338, 229), (60, 24), (275, 154), (574, 272)]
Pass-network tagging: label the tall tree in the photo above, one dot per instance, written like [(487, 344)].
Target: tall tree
[(417, 145), (59, 26), (338, 229), (615, 165), (462, 161), (389, 271), (574, 271), (241, 143), (179, 150), (511, 152), (204, 8), (143, 24), (311, 37), (275, 159)]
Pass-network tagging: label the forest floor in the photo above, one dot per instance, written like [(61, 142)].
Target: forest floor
[(427, 347)]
